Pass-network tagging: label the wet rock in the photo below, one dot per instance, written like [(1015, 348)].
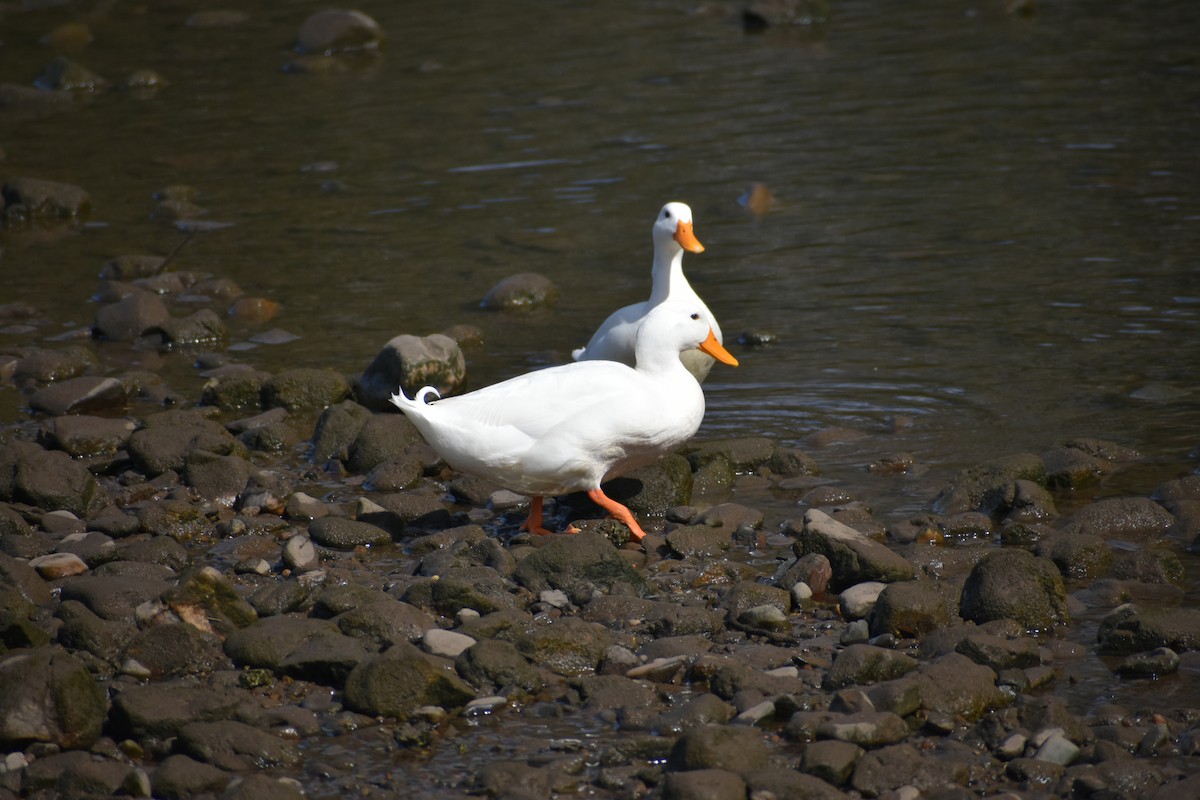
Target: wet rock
[(385, 622), (983, 486), (814, 570), (42, 365), (340, 533), (34, 198), (898, 765), (1024, 501), (305, 388), (174, 650), (746, 595), (397, 682), (76, 395), (831, 760), (525, 291), (179, 777), (74, 773), (867, 729), (699, 541), (269, 642), (1135, 519), (402, 511), (492, 664), (579, 565), (48, 695), (999, 653), (652, 489), (207, 600), (862, 664), (170, 436), (58, 565), (263, 787), (1155, 565), (657, 618), (235, 746), (202, 327), (234, 388), (338, 31), (854, 557), (83, 630), (326, 659), (65, 75), (781, 782), (704, 784), (131, 317), (382, 438), (1014, 584), (858, 601), (132, 267), (955, 685), (570, 647), (728, 747), (178, 519), (336, 430), (1079, 556), (909, 609), (51, 480), (409, 363), (216, 477), (1131, 629), (81, 436), (745, 454), (18, 577), (1149, 664)]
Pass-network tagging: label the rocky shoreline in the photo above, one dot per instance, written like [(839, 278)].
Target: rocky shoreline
[(205, 588)]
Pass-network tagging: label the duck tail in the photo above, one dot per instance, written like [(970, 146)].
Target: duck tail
[(400, 399), (578, 352)]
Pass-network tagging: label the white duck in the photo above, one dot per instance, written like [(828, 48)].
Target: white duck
[(570, 427), (614, 339)]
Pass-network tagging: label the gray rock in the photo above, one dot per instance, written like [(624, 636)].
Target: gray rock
[(48, 696), (339, 533), (730, 747), (397, 682), (170, 436), (1014, 584), (580, 565), (177, 519), (50, 480), (409, 363), (652, 489), (525, 291), (814, 570), (909, 609), (1079, 556), (203, 327), (327, 659), (661, 619), (867, 729), (704, 784), (1155, 565), (999, 653), (858, 601), (234, 388), (745, 453), (699, 541), (861, 664), (305, 389), (831, 760), (235, 746), (44, 199), (131, 317), (179, 777), (1135, 519), (745, 595), (955, 685), (338, 31), (570, 647), (403, 511), (42, 365), (492, 664), (84, 631), (74, 773), (18, 577), (854, 557), (76, 395), (461, 548), (903, 765), (270, 641), (175, 650), (299, 553), (263, 787), (447, 644), (1132, 629), (113, 598), (701, 709), (481, 589), (781, 782), (382, 438), (216, 477), (983, 486), (81, 436)]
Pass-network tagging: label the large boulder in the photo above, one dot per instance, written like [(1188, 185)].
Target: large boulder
[(48, 696), (1015, 584), (408, 363)]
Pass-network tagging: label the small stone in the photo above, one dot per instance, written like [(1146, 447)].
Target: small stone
[(1057, 749), (58, 565), (446, 643), (299, 553)]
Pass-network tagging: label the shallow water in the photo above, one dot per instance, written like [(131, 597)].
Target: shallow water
[(986, 224)]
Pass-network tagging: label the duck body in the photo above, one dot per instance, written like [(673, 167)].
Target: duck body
[(615, 339), (571, 427)]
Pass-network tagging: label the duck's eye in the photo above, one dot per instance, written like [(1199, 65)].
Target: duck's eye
[(695, 316), (666, 215)]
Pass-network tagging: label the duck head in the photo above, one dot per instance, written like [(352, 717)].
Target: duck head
[(674, 225)]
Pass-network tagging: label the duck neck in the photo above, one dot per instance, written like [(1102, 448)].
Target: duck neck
[(667, 272)]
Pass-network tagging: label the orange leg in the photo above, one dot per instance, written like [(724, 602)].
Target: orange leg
[(618, 511), (533, 523)]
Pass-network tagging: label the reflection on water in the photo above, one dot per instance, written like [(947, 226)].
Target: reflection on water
[(986, 224)]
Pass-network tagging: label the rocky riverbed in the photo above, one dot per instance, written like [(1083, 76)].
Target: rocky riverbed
[(223, 578)]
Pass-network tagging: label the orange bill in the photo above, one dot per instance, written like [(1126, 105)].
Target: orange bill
[(687, 240), (716, 350)]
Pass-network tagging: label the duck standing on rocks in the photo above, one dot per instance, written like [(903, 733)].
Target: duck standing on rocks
[(571, 427), (614, 339)]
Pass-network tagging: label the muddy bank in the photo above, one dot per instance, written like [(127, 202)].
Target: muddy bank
[(224, 577)]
